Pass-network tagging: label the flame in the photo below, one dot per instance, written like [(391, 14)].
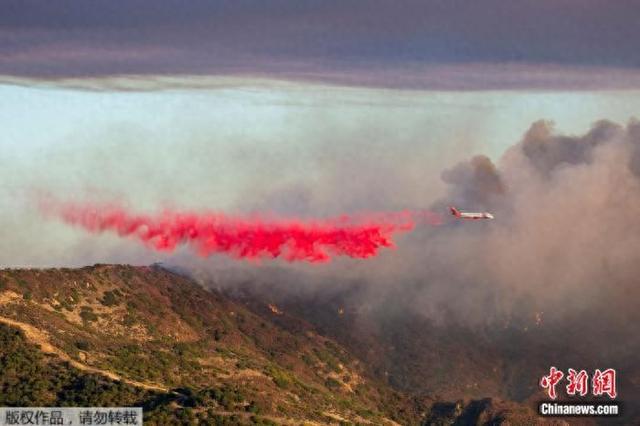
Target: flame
[(539, 318), (274, 309)]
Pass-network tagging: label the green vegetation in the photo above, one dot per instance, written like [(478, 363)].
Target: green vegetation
[(227, 364), (87, 314), (134, 361), (280, 377), (332, 383), (129, 320), (308, 360), (83, 345), (256, 420), (328, 359), (111, 298), (30, 378)]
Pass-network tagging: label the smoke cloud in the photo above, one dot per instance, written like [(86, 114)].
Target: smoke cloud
[(564, 241), (551, 281), (562, 252), (564, 238)]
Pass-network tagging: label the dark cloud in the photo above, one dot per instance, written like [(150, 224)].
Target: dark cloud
[(381, 43), (474, 183), (633, 132), (547, 151)]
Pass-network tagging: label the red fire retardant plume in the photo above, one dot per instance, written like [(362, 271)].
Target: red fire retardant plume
[(249, 237)]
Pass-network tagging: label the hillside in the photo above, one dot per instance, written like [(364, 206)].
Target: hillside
[(448, 361), (162, 333), (122, 335)]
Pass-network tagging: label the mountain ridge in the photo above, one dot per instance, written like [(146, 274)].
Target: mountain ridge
[(195, 356)]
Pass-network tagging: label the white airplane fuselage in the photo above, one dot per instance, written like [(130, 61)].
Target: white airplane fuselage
[(470, 215)]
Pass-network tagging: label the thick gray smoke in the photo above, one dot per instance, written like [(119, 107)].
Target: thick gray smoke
[(566, 234), (566, 238), (551, 281)]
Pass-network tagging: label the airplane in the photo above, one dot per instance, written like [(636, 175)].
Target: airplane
[(466, 215)]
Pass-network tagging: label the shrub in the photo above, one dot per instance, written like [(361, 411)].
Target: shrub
[(109, 299), (83, 345), (280, 377), (253, 408), (88, 315), (331, 383)]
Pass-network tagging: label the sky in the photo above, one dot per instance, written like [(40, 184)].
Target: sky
[(245, 105), (414, 44), (283, 120)]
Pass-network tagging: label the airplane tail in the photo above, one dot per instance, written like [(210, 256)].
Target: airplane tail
[(454, 211)]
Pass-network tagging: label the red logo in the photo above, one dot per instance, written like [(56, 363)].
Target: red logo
[(602, 382), (549, 382), (578, 382)]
